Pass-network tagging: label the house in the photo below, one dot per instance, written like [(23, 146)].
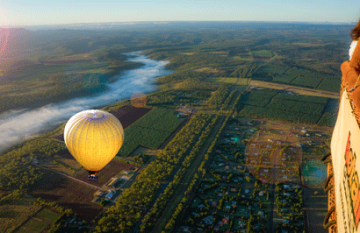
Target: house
[(225, 221), (261, 193), (233, 189), (261, 213), (241, 224), (209, 220), (109, 196), (186, 229), (214, 204), (113, 183), (99, 193)]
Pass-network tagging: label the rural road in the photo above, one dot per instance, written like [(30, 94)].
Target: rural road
[(299, 90)]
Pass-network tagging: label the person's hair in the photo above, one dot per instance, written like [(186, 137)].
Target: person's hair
[(355, 33)]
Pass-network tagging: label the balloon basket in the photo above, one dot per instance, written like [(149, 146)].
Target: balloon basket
[(92, 177)]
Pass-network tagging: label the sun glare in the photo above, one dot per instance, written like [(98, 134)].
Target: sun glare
[(4, 31)]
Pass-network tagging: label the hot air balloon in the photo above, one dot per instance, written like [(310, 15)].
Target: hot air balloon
[(93, 137)]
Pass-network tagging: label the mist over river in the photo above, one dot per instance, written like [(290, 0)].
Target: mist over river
[(18, 125)]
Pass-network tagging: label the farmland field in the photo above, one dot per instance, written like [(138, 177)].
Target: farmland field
[(302, 98), (258, 98), (279, 114), (311, 82), (15, 212), (262, 53), (39, 222), (129, 114), (33, 225), (302, 72), (110, 170), (296, 106), (283, 79), (69, 194), (47, 215), (273, 69), (330, 85), (159, 119), (150, 131)]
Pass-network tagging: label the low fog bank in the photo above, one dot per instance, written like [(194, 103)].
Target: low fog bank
[(18, 125)]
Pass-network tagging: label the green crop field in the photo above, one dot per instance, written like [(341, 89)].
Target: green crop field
[(330, 85), (328, 119), (274, 104), (279, 114), (258, 97), (295, 71), (283, 79), (273, 69), (302, 98), (47, 215), (306, 82), (296, 106), (159, 119), (150, 131)]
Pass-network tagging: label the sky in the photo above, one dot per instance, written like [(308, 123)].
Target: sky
[(55, 12)]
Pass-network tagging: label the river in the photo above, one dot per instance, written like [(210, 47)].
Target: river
[(18, 125)]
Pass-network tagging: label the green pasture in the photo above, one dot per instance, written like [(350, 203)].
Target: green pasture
[(48, 215), (262, 53), (231, 80), (224, 80), (216, 79)]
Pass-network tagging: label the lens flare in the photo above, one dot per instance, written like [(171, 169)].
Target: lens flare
[(4, 32), (273, 154), (314, 172), (138, 99)]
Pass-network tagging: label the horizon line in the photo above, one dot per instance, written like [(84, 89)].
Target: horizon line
[(117, 23)]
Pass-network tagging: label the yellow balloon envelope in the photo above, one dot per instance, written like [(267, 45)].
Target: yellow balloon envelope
[(93, 137)]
